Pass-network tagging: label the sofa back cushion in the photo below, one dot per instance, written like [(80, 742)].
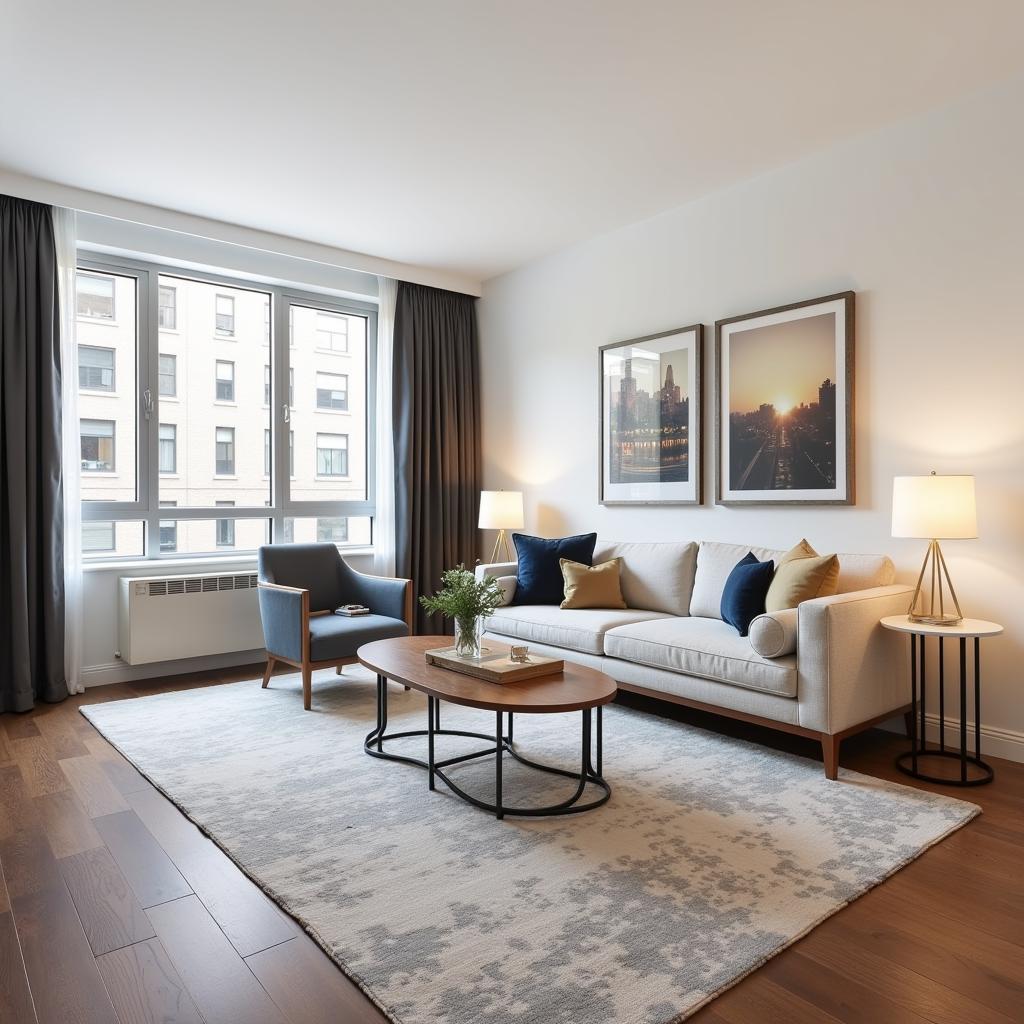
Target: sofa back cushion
[(656, 577), (715, 561), (860, 572)]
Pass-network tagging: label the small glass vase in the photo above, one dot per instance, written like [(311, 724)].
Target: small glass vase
[(467, 636)]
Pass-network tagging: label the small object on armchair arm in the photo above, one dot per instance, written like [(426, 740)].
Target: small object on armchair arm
[(383, 595)]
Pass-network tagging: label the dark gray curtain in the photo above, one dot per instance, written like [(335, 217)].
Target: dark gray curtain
[(437, 438), (31, 492)]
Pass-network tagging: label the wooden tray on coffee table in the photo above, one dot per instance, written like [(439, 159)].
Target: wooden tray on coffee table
[(495, 665)]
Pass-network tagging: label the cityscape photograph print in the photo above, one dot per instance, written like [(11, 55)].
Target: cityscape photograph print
[(650, 451), (784, 404)]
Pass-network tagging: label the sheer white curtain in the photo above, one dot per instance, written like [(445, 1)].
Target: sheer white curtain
[(384, 522), (64, 236)]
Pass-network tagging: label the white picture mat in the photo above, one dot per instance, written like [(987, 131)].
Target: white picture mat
[(837, 493), (641, 492)]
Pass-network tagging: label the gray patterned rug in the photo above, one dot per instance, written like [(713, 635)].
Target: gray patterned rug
[(712, 855)]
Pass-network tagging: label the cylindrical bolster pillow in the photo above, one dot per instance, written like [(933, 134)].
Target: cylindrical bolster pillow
[(774, 634)]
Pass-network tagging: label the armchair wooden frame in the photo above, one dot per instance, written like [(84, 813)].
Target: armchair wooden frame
[(306, 666)]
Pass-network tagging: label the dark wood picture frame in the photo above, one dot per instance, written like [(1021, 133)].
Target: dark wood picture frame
[(695, 443), (847, 473)]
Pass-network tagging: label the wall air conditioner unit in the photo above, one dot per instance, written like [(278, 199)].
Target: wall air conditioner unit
[(167, 618)]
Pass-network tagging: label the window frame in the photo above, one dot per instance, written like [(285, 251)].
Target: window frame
[(146, 507)]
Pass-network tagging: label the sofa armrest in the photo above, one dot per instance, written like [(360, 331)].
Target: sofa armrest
[(284, 612), (851, 670)]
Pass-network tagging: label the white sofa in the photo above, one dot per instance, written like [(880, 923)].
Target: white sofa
[(846, 674)]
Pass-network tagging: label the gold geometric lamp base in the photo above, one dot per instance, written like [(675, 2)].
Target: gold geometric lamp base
[(932, 609)]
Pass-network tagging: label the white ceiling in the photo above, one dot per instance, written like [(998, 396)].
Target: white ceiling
[(468, 135)]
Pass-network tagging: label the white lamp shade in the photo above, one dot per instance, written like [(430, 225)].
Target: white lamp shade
[(934, 507), (501, 510)]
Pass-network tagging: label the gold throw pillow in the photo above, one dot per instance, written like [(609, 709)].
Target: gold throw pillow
[(802, 575), (592, 586)]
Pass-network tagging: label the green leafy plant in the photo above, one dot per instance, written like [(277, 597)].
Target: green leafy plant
[(464, 598)]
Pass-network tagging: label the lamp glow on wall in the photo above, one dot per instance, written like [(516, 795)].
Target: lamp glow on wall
[(501, 511), (934, 508)]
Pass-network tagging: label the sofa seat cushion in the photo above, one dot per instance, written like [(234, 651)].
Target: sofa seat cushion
[(708, 648), (575, 629), (338, 636)]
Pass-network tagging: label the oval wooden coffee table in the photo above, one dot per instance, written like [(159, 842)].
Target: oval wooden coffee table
[(576, 689)]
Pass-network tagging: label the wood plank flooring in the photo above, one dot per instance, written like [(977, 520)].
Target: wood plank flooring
[(115, 909)]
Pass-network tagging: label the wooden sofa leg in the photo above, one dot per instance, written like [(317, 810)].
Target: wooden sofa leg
[(830, 752), (269, 672), (307, 686)]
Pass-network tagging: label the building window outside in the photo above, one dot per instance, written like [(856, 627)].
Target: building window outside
[(225, 315), (95, 368), (225, 451), (225, 528), (168, 448), (97, 446), (332, 391), (167, 309), (98, 537), (167, 384), (332, 530), (94, 296), (332, 454), (332, 332), (225, 381), (168, 531)]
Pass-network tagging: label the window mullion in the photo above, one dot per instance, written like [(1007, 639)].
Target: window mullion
[(280, 425), (149, 409)]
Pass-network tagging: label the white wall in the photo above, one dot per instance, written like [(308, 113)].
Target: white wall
[(925, 221)]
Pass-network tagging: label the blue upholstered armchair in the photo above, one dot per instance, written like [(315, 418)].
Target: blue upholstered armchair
[(300, 585)]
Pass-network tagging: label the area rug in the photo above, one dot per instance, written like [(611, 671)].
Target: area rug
[(712, 855)]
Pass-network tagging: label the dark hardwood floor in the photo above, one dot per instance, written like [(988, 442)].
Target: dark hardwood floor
[(115, 909)]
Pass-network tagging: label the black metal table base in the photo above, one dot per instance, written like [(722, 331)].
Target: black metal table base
[(501, 744), (919, 749)]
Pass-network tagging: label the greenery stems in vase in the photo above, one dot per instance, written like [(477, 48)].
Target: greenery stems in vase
[(465, 599)]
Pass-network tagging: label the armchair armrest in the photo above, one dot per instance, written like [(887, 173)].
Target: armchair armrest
[(851, 670), (284, 612), (385, 595)]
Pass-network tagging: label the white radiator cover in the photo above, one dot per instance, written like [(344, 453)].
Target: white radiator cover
[(167, 618)]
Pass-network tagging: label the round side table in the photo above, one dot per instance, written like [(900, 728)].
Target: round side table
[(973, 770)]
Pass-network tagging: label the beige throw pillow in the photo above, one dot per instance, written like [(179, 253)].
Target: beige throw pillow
[(802, 575), (592, 586)]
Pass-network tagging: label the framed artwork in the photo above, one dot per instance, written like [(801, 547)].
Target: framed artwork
[(784, 405), (650, 419)]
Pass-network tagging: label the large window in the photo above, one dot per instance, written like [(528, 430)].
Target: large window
[(95, 368), (98, 446), (332, 455), (177, 416)]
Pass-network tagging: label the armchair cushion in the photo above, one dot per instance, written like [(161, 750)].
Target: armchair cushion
[(337, 636)]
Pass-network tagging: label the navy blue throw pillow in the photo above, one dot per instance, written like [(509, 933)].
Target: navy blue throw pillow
[(745, 591), (539, 576)]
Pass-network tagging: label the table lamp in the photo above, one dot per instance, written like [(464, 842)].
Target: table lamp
[(934, 508), (501, 511)]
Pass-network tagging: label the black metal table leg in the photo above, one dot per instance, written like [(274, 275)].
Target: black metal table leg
[(913, 702), (977, 697), (963, 709), (431, 701), (510, 728), (922, 669), (499, 750), (942, 694)]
